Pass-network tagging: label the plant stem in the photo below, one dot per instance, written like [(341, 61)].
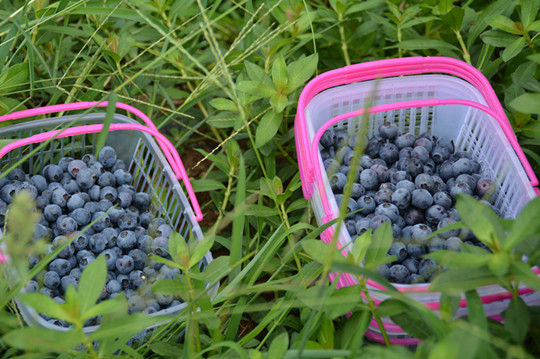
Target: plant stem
[(344, 46), (372, 309), (466, 55)]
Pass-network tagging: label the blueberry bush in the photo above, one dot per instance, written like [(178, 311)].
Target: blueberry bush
[(221, 80)]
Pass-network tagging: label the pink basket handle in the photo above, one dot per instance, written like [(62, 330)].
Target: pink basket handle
[(168, 149), (313, 151), (390, 68)]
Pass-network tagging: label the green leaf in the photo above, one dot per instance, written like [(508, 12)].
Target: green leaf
[(102, 308), (223, 104), (524, 274), (201, 249), (128, 326), (497, 8), (455, 281), (279, 74), (268, 127), (425, 44), (206, 184), (177, 286), (481, 220), (343, 301), (256, 88), (524, 72), (535, 26), (361, 246), (477, 316), (363, 6), (454, 18), (409, 321), (300, 71), (319, 251), (505, 24), (258, 210), (526, 224), (449, 305), (12, 77), (527, 103), (41, 339), (445, 6), (239, 220), (91, 283), (278, 102), (380, 244), (178, 249), (513, 49), (255, 72), (279, 346), (517, 319), (45, 305), (453, 259), (498, 38), (109, 114), (528, 12), (215, 270)]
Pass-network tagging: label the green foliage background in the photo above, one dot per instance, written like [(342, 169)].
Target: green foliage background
[(222, 79)]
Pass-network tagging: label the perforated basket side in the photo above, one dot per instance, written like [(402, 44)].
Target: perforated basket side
[(149, 167)]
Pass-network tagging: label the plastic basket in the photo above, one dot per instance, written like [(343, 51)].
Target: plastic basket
[(154, 164), (440, 95)]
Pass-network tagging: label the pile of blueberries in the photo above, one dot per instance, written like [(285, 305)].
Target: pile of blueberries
[(410, 181), (76, 193)]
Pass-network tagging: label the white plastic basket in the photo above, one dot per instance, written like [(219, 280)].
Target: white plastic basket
[(442, 104)]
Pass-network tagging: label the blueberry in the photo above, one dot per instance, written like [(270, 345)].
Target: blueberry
[(416, 279), (389, 153), (68, 280), (476, 166), (66, 225), (413, 166), (383, 175), (435, 213), (144, 243), (366, 204), (438, 184), (75, 201), (74, 167), (389, 210), (461, 166), (420, 231), (405, 140), (111, 235), (337, 181), (416, 250), (60, 197), (399, 274), (383, 195), (51, 280), (373, 147), (95, 193), (445, 170), (139, 257), (97, 243), (124, 199), (110, 257), (68, 251), (126, 240), (436, 244), (127, 221), (351, 227), (406, 184), (399, 250), (405, 153), (16, 174), (454, 244), (399, 176), (446, 222), (440, 154), (31, 286), (107, 156), (64, 163), (383, 271), (421, 198), (327, 138), (424, 181), (161, 246), (388, 130), (7, 192), (424, 142), (331, 166), (137, 278), (81, 216), (340, 137), (407, 233), (401, 198), (428, 268), (39, 182), (91, 207), (460, 188), (369, 179), (100, 223), (104, 205), (53, 173), (420, 153), (49, 292), (60, 266), (412, 264), (86, 179), (352, 206), (484, 187), (356, 192), (362, 225), (113, 286), (75, 273), (122, 177), (443, 199), (378, 220), (106, 179), (109, 193), (81, 241), (124, 264), (468, 179), (366, 161)]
